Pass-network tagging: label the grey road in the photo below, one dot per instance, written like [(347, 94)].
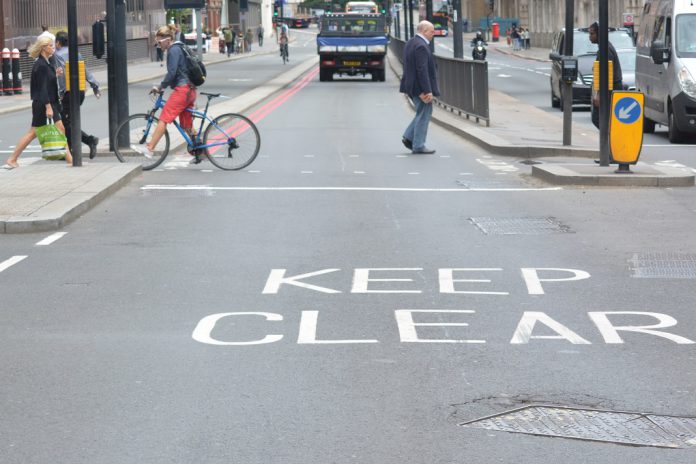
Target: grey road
[(344, 301)]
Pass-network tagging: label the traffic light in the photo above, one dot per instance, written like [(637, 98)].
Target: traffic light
[(491, 4)]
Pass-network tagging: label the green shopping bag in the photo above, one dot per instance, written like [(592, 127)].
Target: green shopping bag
[(52, 140)]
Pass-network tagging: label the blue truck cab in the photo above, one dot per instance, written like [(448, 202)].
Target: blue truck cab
[(352, 44)]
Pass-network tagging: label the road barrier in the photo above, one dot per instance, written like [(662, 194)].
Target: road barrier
[(7, 72), (463, 84)]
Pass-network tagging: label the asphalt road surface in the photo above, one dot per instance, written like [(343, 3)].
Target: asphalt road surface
[(344, 301)]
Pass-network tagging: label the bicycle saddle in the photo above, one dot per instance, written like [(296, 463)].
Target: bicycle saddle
[(211, 95)]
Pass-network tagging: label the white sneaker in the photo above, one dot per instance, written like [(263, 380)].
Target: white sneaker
[(143, 150)]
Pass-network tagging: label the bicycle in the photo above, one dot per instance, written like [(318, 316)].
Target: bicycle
[(235, 132)]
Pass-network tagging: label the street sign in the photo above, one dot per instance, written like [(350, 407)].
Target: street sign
[(626, 129), (627, 19)]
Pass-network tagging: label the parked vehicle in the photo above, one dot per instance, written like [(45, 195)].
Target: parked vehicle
[(666, 66), (479, 51), (586, 53)]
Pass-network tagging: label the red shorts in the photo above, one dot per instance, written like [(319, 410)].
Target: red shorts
[(181, 98)]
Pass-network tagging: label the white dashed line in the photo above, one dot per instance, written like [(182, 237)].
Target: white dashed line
[(358, 172), (254, 172), (350, 189), (307, 172), (10, 262), (413, 173), (309, 156), (51, 238)]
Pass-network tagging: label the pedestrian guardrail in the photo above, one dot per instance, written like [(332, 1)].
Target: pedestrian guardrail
[(463, 84)]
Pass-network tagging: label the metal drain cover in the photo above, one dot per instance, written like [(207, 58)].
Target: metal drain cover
[(519, 226), (663, 266), (593, 425)]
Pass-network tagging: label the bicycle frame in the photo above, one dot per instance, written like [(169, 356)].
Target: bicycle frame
[(203, 115)]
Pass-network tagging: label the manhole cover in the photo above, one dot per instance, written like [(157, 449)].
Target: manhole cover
[(663, 266), (519, 226), (586, 424)]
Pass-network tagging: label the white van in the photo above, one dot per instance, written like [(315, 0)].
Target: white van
[(666, 66)]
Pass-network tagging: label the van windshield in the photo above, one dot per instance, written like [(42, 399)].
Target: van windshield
[(686, 35)]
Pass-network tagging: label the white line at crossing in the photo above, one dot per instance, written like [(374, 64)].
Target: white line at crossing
[(10, 262), (351, 189)]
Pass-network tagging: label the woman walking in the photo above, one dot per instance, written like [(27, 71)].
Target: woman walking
[(44, 98)]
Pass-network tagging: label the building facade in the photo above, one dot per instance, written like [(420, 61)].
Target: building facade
[(543, 18)]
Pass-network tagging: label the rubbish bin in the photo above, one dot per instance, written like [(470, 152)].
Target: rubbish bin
[(495, 32)]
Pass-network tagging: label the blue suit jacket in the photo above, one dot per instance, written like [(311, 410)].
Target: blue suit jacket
[(420, 71)]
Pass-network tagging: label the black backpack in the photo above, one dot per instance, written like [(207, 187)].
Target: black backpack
[(195, 69)]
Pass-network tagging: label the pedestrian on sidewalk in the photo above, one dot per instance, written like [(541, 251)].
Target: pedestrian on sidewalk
[(248, 39), (62, 58), (612, 56), (419, 82), (182, 97), (259, 34), (160, 53), (515, 36), (227, 36), (44, 97)]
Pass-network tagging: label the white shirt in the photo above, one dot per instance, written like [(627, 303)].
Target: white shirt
[(427, 42)]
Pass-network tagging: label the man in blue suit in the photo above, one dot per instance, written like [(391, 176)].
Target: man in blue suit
[(419, 82)]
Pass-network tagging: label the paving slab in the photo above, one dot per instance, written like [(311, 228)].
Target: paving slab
[(42, 197)]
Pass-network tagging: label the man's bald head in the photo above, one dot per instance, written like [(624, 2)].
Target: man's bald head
[(424, 26)]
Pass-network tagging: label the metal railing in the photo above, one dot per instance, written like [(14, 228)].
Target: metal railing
[(463, 84)]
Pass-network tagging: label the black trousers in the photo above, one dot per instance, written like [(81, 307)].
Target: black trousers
[(65, 103)]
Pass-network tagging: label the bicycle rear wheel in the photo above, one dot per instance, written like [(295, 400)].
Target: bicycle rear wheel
[(136, 130), (242, 141)]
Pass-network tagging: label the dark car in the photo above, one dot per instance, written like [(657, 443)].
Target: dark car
[(586, 53)]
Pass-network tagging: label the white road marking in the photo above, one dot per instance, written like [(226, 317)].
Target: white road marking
[(667, 145), (254, 172), (10, 262), (239, 80), (309, 156), (51, 238), (504, 75), (358, 172), (402, 156), (307, 172), (350, 189), (206, 170), (413, 173)]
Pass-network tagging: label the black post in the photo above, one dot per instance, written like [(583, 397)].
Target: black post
[(429, 16), (74, 98), (405, 10), (117, 60), (411, 29), (567, 87), (457, 23), (603, 83), (397, 28)]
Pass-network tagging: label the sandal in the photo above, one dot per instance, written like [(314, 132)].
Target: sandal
[(8, 166)]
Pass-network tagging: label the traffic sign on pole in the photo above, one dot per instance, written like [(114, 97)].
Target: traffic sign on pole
[(626, 129)]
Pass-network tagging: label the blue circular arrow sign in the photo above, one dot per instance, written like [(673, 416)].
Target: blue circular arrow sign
[(627, 110)]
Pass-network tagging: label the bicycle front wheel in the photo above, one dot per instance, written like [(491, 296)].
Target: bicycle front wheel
[(138, 130), (239, 141)]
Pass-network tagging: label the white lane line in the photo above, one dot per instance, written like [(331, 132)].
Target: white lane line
[(206, 170), (309, 156), (358, 172), (51, 238), (254, 172), (351, 189), (413, 173), (667, 145), (10, 262), (306, 172)]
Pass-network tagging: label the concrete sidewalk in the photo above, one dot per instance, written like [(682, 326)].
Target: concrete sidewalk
[(41, 195)]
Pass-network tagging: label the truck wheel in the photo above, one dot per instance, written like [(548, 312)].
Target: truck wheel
[(674, 134), (382, 75)]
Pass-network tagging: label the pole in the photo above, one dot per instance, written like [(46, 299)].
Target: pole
[(111, 69), (74, 98), (458, 38), (121, 64), (199, 34), (429, 16), (567, 87), (603, 83), (412, 32)]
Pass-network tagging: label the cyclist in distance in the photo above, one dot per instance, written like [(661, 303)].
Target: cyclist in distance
[(183, 95), (283, 41)]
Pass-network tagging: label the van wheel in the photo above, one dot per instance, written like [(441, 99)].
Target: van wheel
[(674, 134), (648, 126)]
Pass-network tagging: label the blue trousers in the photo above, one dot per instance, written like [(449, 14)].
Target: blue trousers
[(417, 131)]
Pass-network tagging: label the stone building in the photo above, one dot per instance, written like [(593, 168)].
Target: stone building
[(545, 17)]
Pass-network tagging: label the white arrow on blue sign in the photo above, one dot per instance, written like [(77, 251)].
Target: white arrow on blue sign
[(627, 110)]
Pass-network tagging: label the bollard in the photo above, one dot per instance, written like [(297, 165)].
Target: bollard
[(16, 73), (7, 71)]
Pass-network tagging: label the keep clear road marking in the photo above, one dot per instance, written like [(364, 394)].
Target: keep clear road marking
[(11, 262), (349, 189), (51, 238)]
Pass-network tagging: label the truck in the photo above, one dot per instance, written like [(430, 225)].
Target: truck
[(352, 44)]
